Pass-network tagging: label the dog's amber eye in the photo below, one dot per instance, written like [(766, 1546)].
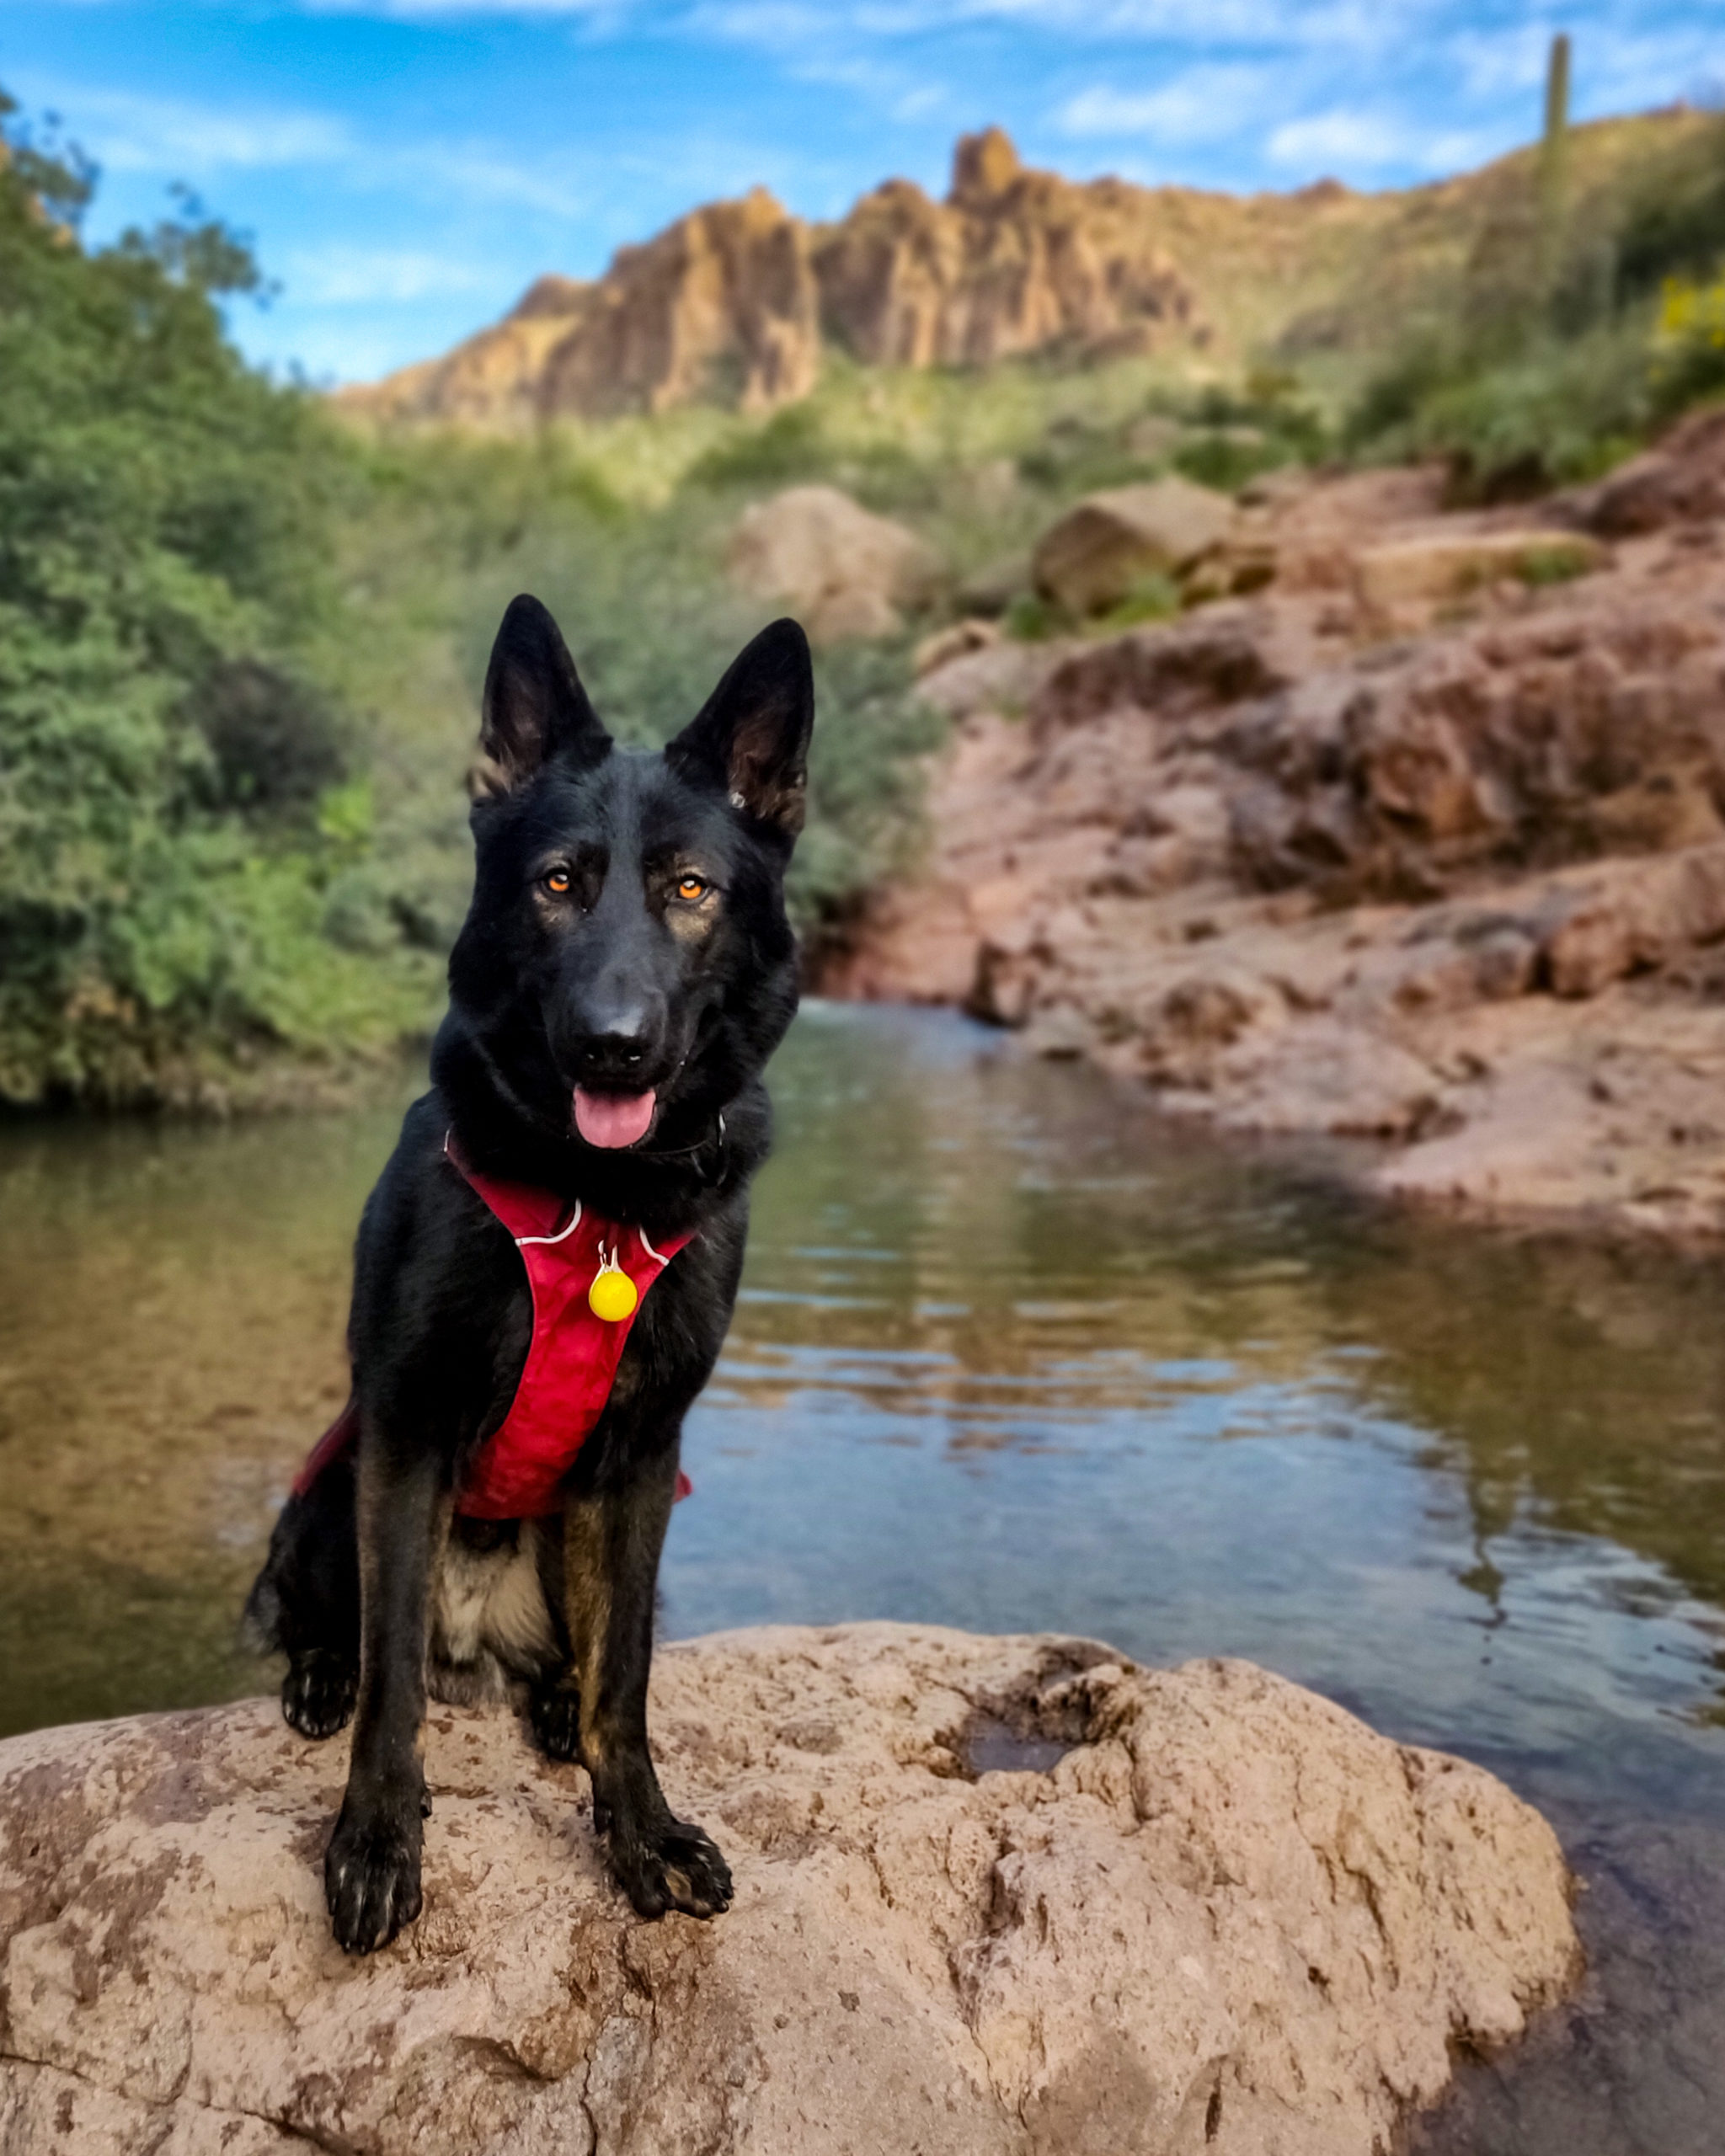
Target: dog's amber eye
[(557, 882), (691, 887)]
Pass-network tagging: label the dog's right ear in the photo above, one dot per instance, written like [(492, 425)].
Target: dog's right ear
[(534, 706)]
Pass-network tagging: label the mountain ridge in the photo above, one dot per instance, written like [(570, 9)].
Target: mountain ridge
[(737, 302)]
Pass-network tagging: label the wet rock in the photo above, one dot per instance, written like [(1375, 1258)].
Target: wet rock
[(841, 570), (1093, 556), (1323, 1075), (1008, 968), (1199, 1910)]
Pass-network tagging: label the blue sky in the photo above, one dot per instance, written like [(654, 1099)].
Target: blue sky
[(407, 167)]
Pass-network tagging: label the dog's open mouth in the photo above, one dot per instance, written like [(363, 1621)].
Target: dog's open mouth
[(613, 1119)]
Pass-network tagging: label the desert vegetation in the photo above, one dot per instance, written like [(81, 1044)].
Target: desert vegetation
[(1584, 314)]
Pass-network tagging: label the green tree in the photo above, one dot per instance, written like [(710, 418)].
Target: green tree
[(164, 515)]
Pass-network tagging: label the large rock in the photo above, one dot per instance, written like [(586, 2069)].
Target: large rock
[(1003, 1895), (1436, 568), (1091, 559), (843, 571), (1681, 482)]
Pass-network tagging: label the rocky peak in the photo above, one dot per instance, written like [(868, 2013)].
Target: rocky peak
[(549, 295), (733, 302), (984, 167)]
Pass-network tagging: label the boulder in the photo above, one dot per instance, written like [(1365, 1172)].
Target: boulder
[(994, 1895), (841, 570), (1441, 567), (1681, 482), (1091, 559)]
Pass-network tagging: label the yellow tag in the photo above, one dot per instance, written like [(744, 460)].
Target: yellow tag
[(612, 1295)]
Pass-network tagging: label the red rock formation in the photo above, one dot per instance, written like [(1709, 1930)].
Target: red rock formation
[(1013, 261), (732, 302), (735, 301), (721, 305)]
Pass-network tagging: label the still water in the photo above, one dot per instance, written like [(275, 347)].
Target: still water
[(1011, 1354)]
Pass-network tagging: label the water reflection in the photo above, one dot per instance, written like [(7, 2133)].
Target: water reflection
[(1010, 1353)]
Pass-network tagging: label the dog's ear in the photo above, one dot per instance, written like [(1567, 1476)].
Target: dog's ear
[(534, 706), (751, 737)]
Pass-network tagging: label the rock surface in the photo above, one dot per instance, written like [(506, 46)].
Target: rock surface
[(1226, 1917), (1089, 559), (843, 571), (1462, 888)]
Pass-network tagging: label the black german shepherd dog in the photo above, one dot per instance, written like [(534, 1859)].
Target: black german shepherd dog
[(624, 973)]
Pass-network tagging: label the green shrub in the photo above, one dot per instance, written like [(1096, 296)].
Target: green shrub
[(1577, 329), (1150, 599), (1032, 619)]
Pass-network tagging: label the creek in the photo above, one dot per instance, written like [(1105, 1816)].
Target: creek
[(1012, 1353)]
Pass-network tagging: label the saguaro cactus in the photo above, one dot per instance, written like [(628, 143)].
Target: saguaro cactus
[(1554, 159)]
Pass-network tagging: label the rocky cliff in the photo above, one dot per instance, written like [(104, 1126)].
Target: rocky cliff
[(723, 305), (736, 303), (733, 302)]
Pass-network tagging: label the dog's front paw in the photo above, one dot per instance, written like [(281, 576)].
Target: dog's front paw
[(372, 1876), (317, 1695), (674, 1866), (556, 1711)]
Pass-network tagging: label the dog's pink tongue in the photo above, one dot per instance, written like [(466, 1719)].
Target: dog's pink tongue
[(612, 1118)]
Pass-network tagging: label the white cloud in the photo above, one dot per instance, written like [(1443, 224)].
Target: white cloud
[(1504, 64), (470, 170), (779, 23), (1340, 138), (1201, 104), (917, 103), (355, 276), (130, 133), (180, 139)]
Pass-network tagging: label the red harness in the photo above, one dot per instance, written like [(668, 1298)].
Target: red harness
[(571, 1365)]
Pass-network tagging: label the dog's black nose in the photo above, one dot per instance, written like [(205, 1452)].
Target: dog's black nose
[(617, 1051), (624, 1049)]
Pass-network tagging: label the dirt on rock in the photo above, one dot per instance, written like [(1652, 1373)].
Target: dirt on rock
[(1431, 852), (994, 1895)]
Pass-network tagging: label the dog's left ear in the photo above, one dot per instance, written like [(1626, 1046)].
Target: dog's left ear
[(752, 738)]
